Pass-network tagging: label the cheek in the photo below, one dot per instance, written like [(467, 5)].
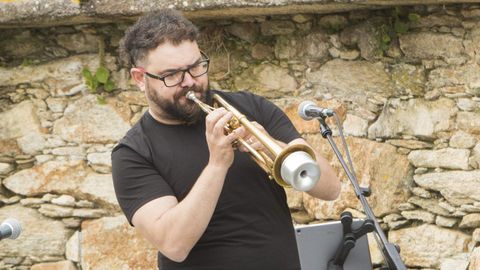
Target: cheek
[(157, 90), (204, 81), (156, 94), (181, 99)]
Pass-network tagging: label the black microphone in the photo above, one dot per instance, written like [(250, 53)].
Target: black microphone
[(309, 110), (10, 228)]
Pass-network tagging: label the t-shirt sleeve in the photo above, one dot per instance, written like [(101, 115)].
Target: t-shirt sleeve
[(275, 121), (135, 180)]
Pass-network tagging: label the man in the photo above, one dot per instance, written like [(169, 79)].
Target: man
[(179, 181)]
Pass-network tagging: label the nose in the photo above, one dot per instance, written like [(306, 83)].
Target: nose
[(188, 80)]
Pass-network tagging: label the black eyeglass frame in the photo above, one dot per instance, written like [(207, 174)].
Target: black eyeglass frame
[(162, 78)]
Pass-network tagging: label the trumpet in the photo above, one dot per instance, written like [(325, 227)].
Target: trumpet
[(290, 166)]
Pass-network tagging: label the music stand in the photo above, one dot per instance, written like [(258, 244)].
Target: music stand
[(319, 244)]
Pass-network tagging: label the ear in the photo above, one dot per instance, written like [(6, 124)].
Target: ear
[(138, 75)]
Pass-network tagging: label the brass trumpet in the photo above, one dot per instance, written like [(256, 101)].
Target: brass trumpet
[(293, 165)]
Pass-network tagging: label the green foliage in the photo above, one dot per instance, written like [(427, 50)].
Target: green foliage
[(384, 38), (400, 27), (413, 17), (102, 75), (398, 23), (26, 62), (101, 100), (100, 82), (90, 80)]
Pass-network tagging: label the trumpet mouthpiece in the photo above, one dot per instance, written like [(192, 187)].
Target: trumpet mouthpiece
[(191, 95)]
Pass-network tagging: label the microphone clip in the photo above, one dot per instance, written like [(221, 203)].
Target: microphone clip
[(309, 110)]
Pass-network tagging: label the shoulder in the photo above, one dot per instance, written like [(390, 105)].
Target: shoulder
[(135, 139), (239, 95), (244, 100)]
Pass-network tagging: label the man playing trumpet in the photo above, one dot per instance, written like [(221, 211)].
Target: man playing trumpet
[(177, 175)]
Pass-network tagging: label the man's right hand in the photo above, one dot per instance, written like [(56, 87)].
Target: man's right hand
[(220, 144)]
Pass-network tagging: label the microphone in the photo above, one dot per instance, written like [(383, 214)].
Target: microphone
[(309, 110), (10, 228)]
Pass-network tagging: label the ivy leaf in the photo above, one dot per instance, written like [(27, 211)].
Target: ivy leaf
[(102, 74), (400, 27), (413, 17), (109, 86)]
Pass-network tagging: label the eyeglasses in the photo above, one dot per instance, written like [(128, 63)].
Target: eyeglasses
[(176, 77)]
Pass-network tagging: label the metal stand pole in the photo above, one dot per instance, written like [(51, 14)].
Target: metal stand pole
[(389, 250)]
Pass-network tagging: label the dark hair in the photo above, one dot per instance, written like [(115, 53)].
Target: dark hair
[(153, 29)]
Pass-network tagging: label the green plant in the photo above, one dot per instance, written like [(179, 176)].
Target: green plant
[(398, 23), (100, 82), (26, 62)]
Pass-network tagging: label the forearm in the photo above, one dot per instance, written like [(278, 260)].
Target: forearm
[(328, 187), (179, 229)]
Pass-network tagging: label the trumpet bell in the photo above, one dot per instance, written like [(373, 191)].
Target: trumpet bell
[(300, 171), (296, 167)]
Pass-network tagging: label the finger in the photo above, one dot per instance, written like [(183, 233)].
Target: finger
[(242, 132), (247, 138), (257, 145), (242, 148), (213, 117), (219, 127), (234, 135), (258, 126), (245, 134)]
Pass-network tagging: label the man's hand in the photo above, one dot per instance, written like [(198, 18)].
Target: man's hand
[(252, 140), (219, 143)]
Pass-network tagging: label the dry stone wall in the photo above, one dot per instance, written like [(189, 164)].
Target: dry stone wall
[(404, 81)]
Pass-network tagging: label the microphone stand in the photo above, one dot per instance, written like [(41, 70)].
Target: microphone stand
[(389, 250)]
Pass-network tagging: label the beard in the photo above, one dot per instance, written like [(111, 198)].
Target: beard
[(189, 113)]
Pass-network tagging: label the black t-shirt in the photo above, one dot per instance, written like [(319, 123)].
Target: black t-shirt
[(251, 226)]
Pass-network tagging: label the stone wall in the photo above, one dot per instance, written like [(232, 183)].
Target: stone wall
[(404, 81)]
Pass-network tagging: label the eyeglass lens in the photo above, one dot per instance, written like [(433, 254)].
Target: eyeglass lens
[(195, 71)]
